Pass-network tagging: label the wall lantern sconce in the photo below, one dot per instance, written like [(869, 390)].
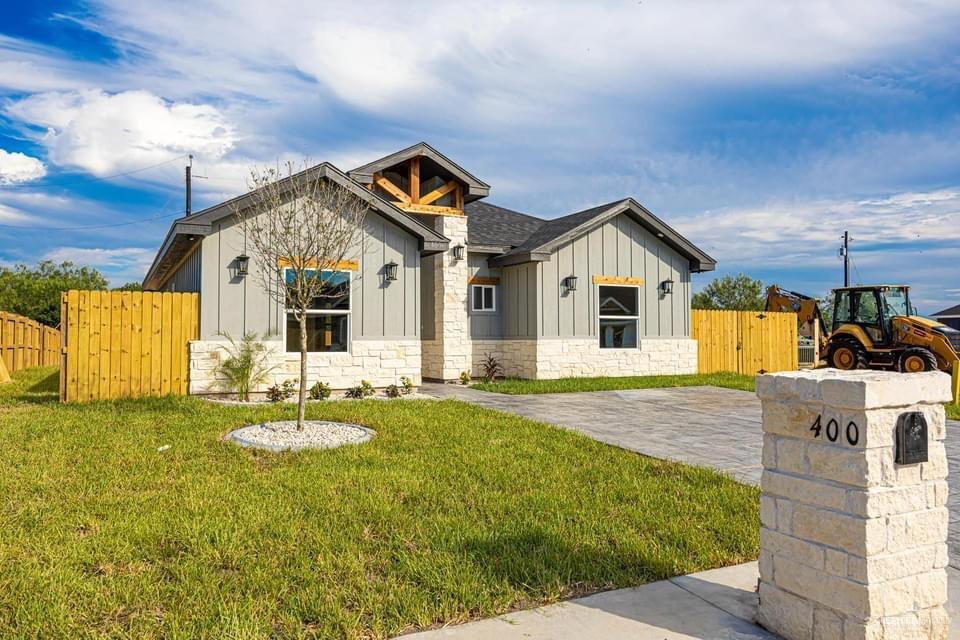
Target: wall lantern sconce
[(666, 287), (390, 271), (570, 283), (243, 264), (459, 252)]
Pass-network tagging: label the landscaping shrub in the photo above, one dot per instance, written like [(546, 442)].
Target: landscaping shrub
[(283, 391), (319, 391), (245, 366), (407, 385), (362, 390), (393, 391), (491, 367), (464, 377)]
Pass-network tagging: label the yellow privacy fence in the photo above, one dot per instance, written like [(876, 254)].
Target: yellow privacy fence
[(26, 343), (120, 344), (748, 342)]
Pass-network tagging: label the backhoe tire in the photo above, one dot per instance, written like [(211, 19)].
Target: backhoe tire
[(916, 360), (848, 354)]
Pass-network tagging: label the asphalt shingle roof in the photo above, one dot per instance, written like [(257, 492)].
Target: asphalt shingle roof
[(555, 228), (950, 311), (488, 224)]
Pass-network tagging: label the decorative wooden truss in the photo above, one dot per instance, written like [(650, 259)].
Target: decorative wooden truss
[(412, 201)]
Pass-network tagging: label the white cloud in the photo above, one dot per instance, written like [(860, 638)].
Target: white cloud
[(120, 265), (905, 237), (106, 133), (18, 167), (509, 62)]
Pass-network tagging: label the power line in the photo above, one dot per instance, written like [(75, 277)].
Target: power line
[(93, 226), (26, 185)]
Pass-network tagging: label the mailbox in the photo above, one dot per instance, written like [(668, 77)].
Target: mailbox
[(911, 438)]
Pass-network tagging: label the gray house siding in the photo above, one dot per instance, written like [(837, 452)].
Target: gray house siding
[(380, 309), (485, 324), (619, 247), (518, 289), (186, 279)]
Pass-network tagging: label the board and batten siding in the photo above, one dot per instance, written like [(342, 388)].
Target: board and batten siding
[(518, 292), (186, 279), (380, 309), (619, 247), (485, 324)]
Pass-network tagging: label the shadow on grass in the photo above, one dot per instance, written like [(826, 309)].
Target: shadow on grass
[(38, 385)]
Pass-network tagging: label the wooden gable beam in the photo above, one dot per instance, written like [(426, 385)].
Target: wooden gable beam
[(392, 189), (415, 180), (438, 193)]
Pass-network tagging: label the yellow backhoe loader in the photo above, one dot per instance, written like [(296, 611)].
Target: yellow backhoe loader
[(873, 326)]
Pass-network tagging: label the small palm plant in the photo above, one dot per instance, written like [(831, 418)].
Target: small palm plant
[(245, 366)]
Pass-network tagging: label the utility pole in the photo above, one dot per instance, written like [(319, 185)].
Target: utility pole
[(845, 252), (189, 170)]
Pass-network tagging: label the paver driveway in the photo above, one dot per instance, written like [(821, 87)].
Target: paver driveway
[(706, 426)]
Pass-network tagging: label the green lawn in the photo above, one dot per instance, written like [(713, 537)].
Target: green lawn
[(453, 512), (953, 410), (564, 385)]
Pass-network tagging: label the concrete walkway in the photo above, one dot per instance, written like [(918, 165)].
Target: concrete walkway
[(713, 604), (720, 604)]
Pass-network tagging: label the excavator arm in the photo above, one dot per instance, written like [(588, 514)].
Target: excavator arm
[(806, 308)]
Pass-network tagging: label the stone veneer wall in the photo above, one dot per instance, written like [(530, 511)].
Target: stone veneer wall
[(448, 354), (551, 358), (380, 362), (852, 544)]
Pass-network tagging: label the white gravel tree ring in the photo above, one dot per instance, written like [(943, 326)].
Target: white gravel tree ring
[(283, 435)]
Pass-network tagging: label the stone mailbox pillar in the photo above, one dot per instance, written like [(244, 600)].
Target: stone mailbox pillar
[(853, 509)]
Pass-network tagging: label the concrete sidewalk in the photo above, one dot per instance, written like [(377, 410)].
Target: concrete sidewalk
[(720, 604)]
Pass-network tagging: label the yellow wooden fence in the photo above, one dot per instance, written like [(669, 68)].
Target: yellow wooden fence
[(121, 344), (26, 343), (748, 342)]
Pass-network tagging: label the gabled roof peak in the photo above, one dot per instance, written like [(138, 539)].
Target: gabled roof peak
[(475, 188)]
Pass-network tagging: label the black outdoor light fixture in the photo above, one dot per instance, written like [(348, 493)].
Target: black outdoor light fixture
[(243, 263), (459, 251), (666, 287), (570, 283), (390, 270)]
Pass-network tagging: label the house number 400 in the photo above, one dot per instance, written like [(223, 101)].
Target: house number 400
[(852, 432)]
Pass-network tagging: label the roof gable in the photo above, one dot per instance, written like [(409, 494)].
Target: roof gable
[(475, 188), (187, 230), (554, 233), (949, 312)]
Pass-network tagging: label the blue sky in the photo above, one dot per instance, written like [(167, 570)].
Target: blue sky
[(761, 130)]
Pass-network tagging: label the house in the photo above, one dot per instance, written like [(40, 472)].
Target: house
[(949, 316), (603, 291)]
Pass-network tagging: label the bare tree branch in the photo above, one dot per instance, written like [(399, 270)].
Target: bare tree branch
[(300, 228)]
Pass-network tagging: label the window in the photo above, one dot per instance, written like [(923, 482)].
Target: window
[(328, 320), (841, 308), (483, 296), (866, 308), (619, 315)]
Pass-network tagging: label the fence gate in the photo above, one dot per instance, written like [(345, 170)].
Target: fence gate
[(121, 344), (748, 342)]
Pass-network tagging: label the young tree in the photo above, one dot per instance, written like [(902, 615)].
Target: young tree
[(35, 293), (299, 225), (739, 293)]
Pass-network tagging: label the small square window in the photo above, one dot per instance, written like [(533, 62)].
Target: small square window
[(483, 297), (618, 316)]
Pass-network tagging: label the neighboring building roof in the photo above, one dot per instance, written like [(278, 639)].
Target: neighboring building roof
[(497, 228), (476, 188), (949, 312), (188, 231), (554, 233)]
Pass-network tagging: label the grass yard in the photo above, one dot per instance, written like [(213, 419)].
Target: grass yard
[(453, 512), (953, 410), (515, 386)]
